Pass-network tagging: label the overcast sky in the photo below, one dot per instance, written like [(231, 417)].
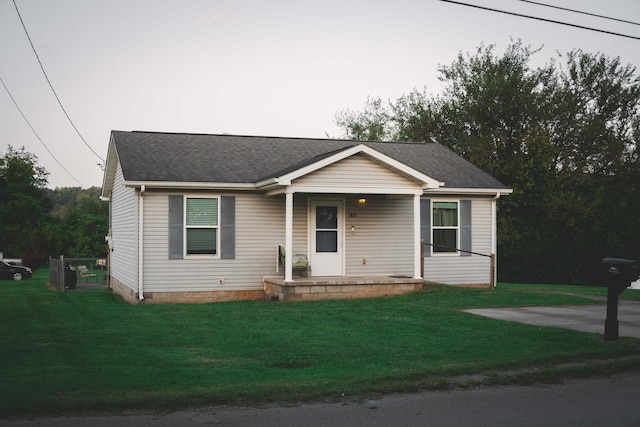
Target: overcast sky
[(248, 67)]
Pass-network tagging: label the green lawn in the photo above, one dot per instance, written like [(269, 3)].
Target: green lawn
[(89, 351)]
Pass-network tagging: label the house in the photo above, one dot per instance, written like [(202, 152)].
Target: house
[(199, 218)]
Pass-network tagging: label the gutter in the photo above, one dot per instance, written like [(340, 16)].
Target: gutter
[(190, 185), (141, 243), (471, 191)]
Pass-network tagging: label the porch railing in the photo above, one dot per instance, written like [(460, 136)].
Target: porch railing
[(492, 277)]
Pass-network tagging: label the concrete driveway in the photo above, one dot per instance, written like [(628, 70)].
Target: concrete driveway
[(583, 318)]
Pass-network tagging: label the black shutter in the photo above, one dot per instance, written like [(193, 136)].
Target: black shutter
[(425, 224), (465, 227), (228, 227), (176, 227)]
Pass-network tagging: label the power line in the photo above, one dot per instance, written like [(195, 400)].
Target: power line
[(541, 19), (51, 86), (580, 12), (36, 134)]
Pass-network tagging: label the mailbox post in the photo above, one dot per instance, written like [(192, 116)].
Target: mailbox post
[(617, 274)]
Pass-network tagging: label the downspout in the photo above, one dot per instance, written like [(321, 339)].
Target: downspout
[(494, 237), (141, 243)]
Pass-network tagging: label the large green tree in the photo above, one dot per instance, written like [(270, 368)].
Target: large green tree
[(24, 201), (36, 222), (78, 223), (564, 136)]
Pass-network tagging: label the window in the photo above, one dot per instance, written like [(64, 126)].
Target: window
[(220, 225), (327, 229), (201, 225), (445, 227)]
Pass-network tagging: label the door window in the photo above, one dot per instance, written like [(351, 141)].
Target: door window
[(326, 229)]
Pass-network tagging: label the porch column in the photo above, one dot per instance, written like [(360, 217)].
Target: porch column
[(288, 241), (494, 242), (417, 262)]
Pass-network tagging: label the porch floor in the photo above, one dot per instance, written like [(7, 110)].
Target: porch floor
[(338, 287)]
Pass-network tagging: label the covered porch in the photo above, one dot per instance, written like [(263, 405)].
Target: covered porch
[(356, 215), (334, 287)]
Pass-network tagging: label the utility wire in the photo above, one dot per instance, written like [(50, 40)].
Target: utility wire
[(580, 12), (541, 19), (51, 86), (36, 134)]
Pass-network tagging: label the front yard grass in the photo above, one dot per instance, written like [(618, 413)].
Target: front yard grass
[(88, 351)]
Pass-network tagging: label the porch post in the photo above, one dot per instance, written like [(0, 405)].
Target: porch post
[(288, 243), (417, 250)]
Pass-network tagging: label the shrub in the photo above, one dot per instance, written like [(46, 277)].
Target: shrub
[(33, 260)]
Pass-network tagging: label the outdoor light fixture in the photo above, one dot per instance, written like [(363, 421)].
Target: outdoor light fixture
[(362, 203)]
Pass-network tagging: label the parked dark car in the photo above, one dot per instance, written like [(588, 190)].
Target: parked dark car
[(14, 272)]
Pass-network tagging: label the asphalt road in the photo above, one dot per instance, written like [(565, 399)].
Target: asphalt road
[(611, 401)]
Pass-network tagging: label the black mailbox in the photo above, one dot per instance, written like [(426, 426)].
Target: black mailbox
[(618, 271), (617, 274)]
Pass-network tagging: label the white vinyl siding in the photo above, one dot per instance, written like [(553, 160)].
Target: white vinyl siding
[(259, 229), (357, 171), (382, 235), (474, 269), (124, 229)]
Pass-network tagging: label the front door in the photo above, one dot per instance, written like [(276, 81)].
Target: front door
[(326, 232)]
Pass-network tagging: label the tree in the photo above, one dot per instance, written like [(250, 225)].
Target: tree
[(37, 221), (565, 138), (495, 112), (372, 124), (595, 127), (76, 198), (23, 201), (78, 223), (597, 114)]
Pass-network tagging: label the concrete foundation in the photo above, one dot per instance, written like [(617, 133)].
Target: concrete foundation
[(322, 288)]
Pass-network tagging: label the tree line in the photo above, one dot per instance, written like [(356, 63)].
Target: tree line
[(37, 222), (563, 135)]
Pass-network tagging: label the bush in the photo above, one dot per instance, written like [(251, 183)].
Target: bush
[(33, 260)]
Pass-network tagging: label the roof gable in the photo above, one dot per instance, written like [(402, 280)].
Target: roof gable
[(367, 152), (355, 175)]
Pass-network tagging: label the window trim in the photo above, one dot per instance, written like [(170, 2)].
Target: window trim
[(186, 227), (457, 228)]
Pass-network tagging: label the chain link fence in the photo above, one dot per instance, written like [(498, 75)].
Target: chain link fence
[(78, 273)]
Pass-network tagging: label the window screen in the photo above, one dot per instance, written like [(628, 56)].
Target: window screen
[(445, 227), (201, 222)]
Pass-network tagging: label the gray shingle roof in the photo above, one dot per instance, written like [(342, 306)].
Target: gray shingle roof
[(153, 156)]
